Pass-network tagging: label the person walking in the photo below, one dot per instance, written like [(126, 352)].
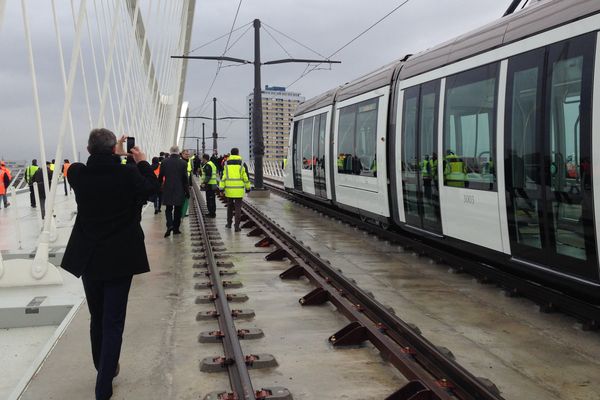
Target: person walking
[(173, 172), (65, 170), (157, 198), (235, 183), (29, 173), (38, 178), (209, 184), (106, 248)]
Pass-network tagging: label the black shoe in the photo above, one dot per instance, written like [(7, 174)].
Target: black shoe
[(176, 232), (228, 226), (168, 232), (238, 229), (33, 206)]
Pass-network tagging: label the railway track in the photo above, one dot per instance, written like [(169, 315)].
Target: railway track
[(205, 240), (548, 299), (431, 371)]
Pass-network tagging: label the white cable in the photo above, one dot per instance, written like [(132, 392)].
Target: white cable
[(36, 98), (108, 69), (83, 78), (40, 262), (105, 64), (63, 75)]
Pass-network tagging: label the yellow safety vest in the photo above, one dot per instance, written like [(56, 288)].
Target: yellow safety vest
[(454, 172), (235, 180), (213, 175), (29, 172), (190, 162), (52, 167)]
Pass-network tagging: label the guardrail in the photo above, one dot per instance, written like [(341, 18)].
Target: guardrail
[(271, 169)]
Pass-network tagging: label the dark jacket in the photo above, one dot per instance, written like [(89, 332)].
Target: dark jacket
[(107, 240), (175, 187), (38, 178)]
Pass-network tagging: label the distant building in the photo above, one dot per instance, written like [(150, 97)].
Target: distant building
[(278, 112)]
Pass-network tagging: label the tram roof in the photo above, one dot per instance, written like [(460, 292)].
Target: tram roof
[(527, 22)]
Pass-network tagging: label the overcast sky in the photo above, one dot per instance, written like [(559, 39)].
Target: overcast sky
[(323, 25)]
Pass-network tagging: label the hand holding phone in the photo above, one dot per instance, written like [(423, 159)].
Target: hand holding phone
[(130, 143)]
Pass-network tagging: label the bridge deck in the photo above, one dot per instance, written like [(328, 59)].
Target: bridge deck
[(526, 353)]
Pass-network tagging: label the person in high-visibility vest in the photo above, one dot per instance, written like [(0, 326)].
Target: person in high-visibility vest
[(235, 183), (454, 170), (185, 156), (4, 182), (29, 172), (51, 166), (8, 176), (157, 197), (209, 184), (65, 170)]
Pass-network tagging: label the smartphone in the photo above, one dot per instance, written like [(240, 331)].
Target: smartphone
[(130, 143)]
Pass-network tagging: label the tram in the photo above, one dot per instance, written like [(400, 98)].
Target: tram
[(485, 144)]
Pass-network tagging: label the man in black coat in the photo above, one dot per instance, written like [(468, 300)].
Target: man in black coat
[(173, 172), (106, 247)]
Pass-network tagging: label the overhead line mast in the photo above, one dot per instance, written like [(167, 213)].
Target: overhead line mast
[(257, 122)]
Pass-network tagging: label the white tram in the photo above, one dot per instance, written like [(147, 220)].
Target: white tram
[(488, 143)]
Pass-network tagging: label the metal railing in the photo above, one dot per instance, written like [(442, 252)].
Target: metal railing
[(271, 169)]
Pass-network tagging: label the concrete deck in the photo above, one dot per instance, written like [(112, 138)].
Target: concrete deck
[(529, 355), (161, 353)]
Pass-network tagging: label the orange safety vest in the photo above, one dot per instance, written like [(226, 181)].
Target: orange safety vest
[(2, 187), (66, 168), (7, 171), (157, 171)]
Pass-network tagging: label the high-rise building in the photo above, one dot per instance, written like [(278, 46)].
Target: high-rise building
[(278, 107)]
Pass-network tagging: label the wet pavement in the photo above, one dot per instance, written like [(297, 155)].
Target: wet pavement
[(527, 354)]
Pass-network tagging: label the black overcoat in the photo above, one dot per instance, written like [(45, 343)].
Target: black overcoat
[(107, 240), (175, 187)]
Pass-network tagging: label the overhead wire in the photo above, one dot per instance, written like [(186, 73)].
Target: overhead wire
[(293, 40), (277, 41), (220, 63), (403, 3)]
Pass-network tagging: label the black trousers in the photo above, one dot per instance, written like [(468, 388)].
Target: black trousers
[(173, 214), (31, 195), (211, 203), (107, 302), (237, 205)]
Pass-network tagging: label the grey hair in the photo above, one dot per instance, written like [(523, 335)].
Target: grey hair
[(101, 141), (174, 150)]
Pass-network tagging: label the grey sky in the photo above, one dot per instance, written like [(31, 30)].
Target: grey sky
[(324, 25)]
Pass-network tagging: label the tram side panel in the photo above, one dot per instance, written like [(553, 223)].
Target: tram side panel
[(309, 150), (527, 105), (359, 152)]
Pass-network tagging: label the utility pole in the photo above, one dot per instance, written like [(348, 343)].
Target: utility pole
[(214, 137), (258, 148), (203, 141), (257, 122)]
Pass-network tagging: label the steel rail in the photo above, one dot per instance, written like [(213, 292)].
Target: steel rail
[(548, 299), (235, 360), (431, 373)]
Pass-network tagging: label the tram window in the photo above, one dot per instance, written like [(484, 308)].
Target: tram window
[(346, 129), (566, 165), (357, 139), (307, 143), (469, 129)]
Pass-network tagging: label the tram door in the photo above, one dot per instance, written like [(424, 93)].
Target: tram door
[(297, 156), (319, 155), (419, 157), (548, 140)]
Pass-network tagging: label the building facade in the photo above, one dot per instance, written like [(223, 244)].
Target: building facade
[(278, 107)]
